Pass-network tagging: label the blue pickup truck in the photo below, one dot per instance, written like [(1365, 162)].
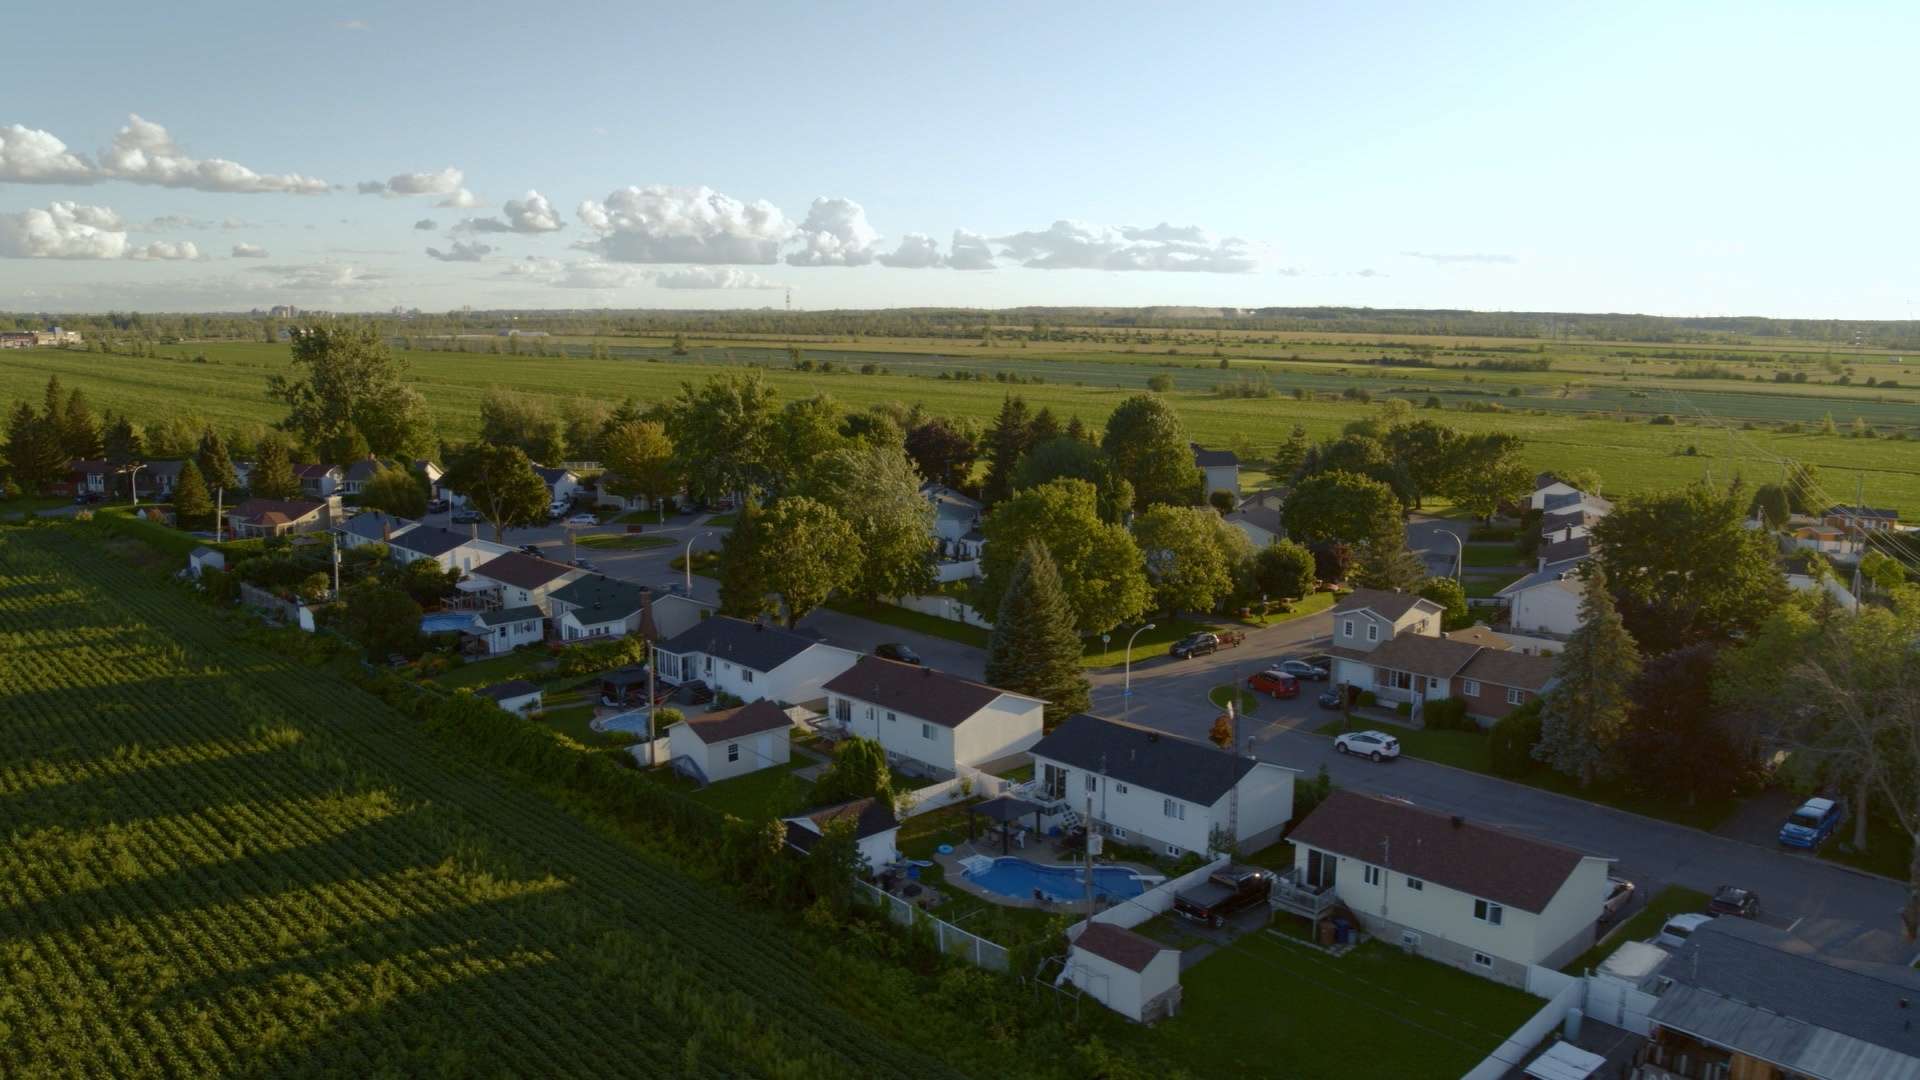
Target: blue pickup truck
[(1810, 825)]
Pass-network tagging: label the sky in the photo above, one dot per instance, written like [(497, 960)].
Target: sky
[(1664, 158)]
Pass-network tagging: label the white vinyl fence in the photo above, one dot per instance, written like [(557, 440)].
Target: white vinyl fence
[(1564, 993), (1130, 913), (953, 941), (945, 607), (958, 789)]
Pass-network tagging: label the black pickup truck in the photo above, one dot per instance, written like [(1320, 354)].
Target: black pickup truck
[(1227, 890)]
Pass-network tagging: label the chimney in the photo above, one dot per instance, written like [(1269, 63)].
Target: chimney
[(1458, 821)]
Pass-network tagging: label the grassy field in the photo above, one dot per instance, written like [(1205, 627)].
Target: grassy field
[(1243, 701), (1591, 410)]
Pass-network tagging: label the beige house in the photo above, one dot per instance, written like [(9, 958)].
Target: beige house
[(1390, 645), (935, 722), (721, 745)]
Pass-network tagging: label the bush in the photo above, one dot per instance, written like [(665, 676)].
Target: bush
[(1366, 698), (1663, 418), (1404, 708), (1448, 714), (1510, 746)]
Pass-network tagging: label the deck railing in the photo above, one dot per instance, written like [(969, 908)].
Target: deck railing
[(1293, 895)]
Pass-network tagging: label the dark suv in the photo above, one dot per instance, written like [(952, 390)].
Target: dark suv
[(1195, 645)]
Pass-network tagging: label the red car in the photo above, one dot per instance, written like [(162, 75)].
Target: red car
[(1274, 683)]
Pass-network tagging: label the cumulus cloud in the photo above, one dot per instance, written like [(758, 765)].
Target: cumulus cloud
[(236, 223), (459, 200), (1079, 245), (577, 273), (712, 277), (143, 153), (170, 223), (461, 251), (970, 251), (249, 251), (918, 251), (63, 230), (31, 156), (336, 276), (167, 251), (352, 24), (662, 224), (533, 214), (836, 233), (445, 182), (1445, 258)]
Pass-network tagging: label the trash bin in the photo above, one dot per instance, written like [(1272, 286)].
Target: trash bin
[(1342, 931), (913, 872), (1326, 933)]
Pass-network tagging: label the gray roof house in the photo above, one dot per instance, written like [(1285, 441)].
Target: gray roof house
[(372, 527), (752, 660)]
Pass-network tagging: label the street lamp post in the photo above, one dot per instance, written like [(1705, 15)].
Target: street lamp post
[(1459, 551), (687, 560), (1126, 689), (133, 479)]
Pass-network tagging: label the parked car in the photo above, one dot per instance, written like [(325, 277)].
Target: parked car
[(1274, 683), (1335, 698), (1675, 933), (583, 519), (1195, 645), (533, 550), (1619, 895), (1226, 890), (1377, 745), (1302, 669), (1810, 825), (1320, 660), (438, 506), (893, 650), (1733, 900), (557, 510), (673, 588), (467, 517), (695, 692), (585, 564)]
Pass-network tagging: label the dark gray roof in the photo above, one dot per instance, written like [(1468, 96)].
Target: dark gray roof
[(1206, 458), (1541, 480), (500, 616), (1194, 772), (552, 476), (915, 690), (362, 470), (870, 817), (601, 598), (512, 689), (729, 724), (1573, 550), (521, 570), (1124, 947), (430, 540), (373, 525), (1387, 605), (1436, 657), (754, 645), (1849, 510), (1761, 991), (1505, 667), (165, 468)]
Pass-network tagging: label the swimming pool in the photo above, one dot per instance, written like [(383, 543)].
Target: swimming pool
[(635, 722), (1018, 878), (445, 622)]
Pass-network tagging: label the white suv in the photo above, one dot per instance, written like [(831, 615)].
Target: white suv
[(1678, 929), (1377, 745)]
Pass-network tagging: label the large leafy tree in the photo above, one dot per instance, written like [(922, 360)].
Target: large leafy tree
[(876, 490), (1485, 471), (745, 580), (525, 421), (1193, 558), (640, 463), (1425, 452), (1584, 713), (943, 452), (1065, 457), (1100, 566), (1684, 567), (1284, 570), (1034, 648), (1149, 448), (216, 466), (345, 377), (1006, 441), (801, 550), (1339, 506), (383, 619), (272, 476), (192, 505), (804, 431), (859, 769), (1452, 598), (1678, 740), (499, 482), (722, 433), (396, 491)]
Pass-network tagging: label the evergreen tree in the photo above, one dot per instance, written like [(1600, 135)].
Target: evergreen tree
[(79, 430), (1385, 562), (1584, 714), (1045, 426), (192, 505), (124, 441), (216, 466), (1011, 434), (1033, 648), (272, 476), (33, 450), (744, 583)]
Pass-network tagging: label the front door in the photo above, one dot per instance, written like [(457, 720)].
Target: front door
[(1054, 779), (1320, 867)]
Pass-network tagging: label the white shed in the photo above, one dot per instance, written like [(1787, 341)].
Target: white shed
[(205, 558), (875, 828), (1135, 976), (732, 742), (518, 696)]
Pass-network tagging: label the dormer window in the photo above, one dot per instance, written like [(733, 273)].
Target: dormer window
[(1373, 631), (1346, 628)]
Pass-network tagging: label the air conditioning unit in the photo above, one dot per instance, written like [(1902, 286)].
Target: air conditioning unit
[(1410, 941)]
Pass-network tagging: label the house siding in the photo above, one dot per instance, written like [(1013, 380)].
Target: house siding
[(509, 636), (1491, 703), (1139, 811), (1550, 606), (1266, 805), (1137, 995), (798, 680), (760, 750)]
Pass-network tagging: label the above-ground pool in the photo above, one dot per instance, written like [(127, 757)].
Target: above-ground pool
[(635, 722), (447, 622), (1018, 878)]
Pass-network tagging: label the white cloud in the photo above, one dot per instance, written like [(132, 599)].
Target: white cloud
[(236, 223), (836, 233), (459, 200), (537, 267), (63, 230), (249, 251), (352, 24), (336, 276), (371, 187), (1079, 245), (1466, 257), (662, 224), (918, 251), (712, 277), (31, 156), (170, 223), (426, 224), (462, 251), (970, 251), (167, 251), (445, 182), (533, 214), (143, 153), (577, 273)]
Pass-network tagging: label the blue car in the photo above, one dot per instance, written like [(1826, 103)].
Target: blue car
[(1810, 825)]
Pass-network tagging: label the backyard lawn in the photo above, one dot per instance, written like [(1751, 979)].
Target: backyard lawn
[(1312, 605), (1643, 924), (1485, 555), (514, 665), (1484, 586), (758, 796), (1268, 1006)]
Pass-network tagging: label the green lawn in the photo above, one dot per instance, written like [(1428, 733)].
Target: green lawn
[(1243, 700), (723, 521), (574, 721), (1268, 1006), (1150, 643), (33, 504), (758, 796), (1643, 924), (1484, 586), (622, 541), (1489, 555), (1889, 848), (913, 620), (1170, 929), (1019, 774), (1312, 605), (1466, 750), (478, 673)]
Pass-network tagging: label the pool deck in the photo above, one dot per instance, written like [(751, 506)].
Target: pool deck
[(1041, 854)]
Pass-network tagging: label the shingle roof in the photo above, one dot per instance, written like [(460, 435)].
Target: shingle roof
[(1387, 605), (600, 598), (502, 616), (917, 691), (274, 511), (156, 469), (88, 466), (1583, 516), (1480, 860), (1544, 479), (374, 525), (511, 689), (552, 476), (1849, 510), (870, 817), (430, 540), (716, 727), (1504, 667), (308, 472), (362, 470), (1206, 458), (754, 645), (1537, 579), (1192, 771), (1479, 635), (522, 571), (1579, 547), (1124, 947), (1435, 657), (941, 496)]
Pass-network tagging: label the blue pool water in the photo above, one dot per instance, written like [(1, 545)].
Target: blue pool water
[(635, 722), (446, 621), (1010, 876)]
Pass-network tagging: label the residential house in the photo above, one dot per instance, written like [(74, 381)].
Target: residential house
[(597, 606), (1390, 644), (432, 472), (1743, 1000), (353, 478), (1543, 609), (752, 660), (517, 696), (956, 525), (599, 493), (503, 630), (721, 745), (875, 829), (1565, 502), (371, 527), (1862, 518), (933, 721), (1826, 539), (675, 615), (1499, 679), (1259, 520), (1143, 786), (156, 479), (1546, 485), (18, 339), (86, 476), (1565, 554), (452, 550), (1130, 973), (562, 484), (1470, 895), (278, 517), (1219, 469), (526, 580), (318, 481), (1575, 521), (1366, 619)]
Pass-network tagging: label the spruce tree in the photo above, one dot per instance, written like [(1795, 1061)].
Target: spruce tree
[(1583, 714), (1385, 563), (744, 581), (79, 430), (192, 505), (124, 441), (216, 467), (33, 450), (1034, 648), (1011, 434), (273, 473)]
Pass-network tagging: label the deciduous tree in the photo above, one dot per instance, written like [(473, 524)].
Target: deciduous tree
[(396, 491), (944, 454), (499, 482), (1284, 570), (1193, 558), (1446, 592), (1340, 506), (1685, 568), (1100, 566), (344, 376), (804, 551), (722, 432), (1065, 457), (640, 463), (876, 490), (1148, 447)]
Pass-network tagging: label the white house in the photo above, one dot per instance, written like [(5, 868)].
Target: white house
[(1219, 468), (1473, 896), (318, 481), (1260, 519), (451, 550), (752, 660), (518, 696), (371, 527), (1543, 609), (674, 615), (874, 828), (202, 559), (353, 478), (1132, 974), (721, 745), (524, 580), (1143, 786), (933, 720), (503, 630), (562, 484), (956, 531), (1546, 485), (597, 606)]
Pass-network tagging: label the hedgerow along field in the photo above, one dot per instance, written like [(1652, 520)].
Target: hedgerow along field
[(1595, 414), (221, 862)]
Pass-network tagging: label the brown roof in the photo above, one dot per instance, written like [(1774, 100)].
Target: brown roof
[(1507, 668), (1387, 605), (1560, 519), (1437, 657), (1481, 636), (522, 571), (726, 724), (870, 817), (274, 511), (917, 691), (1486, 862), (1124, 947)]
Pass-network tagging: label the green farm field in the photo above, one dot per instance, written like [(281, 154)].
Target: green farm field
[(1591, 410)]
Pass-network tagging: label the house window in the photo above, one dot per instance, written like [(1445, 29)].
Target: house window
[(1373, 632), (1118, 833), (1346, 628), (843, 710), (1174, 809), (1482, 960), (1487, 912), (1372, 875), (746, 674), (891, 718), (1515, 697), (1420, 627), (1416, 885), (709, 665), (1173, 849), (1093, 782), (1469, 688), (1121, 788), (926, 732), (733, 751), (1433, 684)]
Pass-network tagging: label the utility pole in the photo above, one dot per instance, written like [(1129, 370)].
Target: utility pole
[(219, 514), (650, 705), (336, 565)]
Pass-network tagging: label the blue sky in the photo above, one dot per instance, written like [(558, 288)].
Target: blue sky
[(1664, 158)]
